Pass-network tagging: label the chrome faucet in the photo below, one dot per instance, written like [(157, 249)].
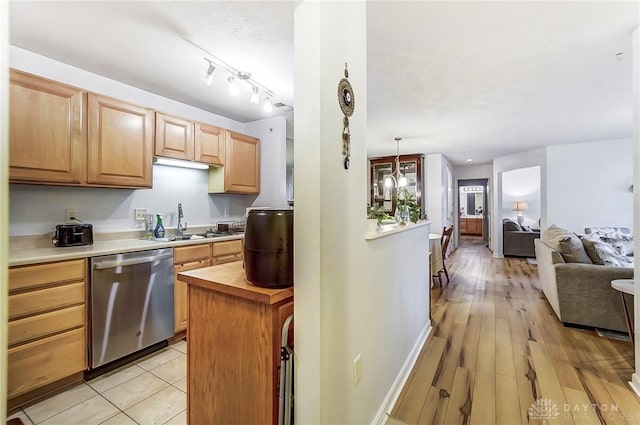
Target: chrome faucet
[(182, 227)]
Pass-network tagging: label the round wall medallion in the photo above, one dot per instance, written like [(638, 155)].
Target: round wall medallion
[(345, 97)]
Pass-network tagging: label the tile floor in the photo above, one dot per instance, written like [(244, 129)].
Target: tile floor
[(151, 390)]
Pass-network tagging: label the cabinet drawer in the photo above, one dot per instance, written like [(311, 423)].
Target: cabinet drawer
[(191, 266), (227, 247), (33, 302), (44, 324), (191, 253), (226, 259), (47, 273), (45, 361)]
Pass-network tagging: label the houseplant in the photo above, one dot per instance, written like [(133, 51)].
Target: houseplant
[(406, 206), (376, 215)]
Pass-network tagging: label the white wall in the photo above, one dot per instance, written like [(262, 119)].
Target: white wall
[(35, 209), (531, 158), (273, 160), (522, 185), (588, 184), (352, 296), (436, 186)]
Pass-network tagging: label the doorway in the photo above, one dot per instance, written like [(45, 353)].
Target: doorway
[(473, 208)]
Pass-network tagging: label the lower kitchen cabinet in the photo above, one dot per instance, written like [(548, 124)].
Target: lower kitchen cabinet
[(181, 306), (45, 361), (194, 257), (47, 335)]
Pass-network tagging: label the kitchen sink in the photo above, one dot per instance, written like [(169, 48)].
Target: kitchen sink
[(187, 237), (184, 237)]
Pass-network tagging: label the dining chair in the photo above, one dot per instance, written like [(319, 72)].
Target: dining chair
[(444, 242)]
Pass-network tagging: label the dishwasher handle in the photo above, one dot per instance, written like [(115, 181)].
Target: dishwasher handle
[(110, 264)]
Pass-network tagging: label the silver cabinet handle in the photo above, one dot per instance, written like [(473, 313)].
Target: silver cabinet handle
[(101, 265)]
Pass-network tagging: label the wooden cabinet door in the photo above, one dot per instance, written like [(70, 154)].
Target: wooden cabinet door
[(181, 305), (120, 143), (174, 137), (209, 144), (44, 361), (242, 165), (47, 131)]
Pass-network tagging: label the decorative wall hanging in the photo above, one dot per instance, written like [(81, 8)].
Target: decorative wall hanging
[(347, 102)]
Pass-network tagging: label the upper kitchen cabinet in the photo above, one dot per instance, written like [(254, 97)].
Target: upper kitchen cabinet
[(411, 166), (191, 141), (209, 144), (120, 143), (174, 137), (47, 134), (241, 171)]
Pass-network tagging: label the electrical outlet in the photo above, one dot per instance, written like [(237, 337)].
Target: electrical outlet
[(69, 214), (357, 369), (140, 214)]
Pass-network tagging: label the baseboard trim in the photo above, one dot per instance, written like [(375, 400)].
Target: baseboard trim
[(394, 392), (635, 383)]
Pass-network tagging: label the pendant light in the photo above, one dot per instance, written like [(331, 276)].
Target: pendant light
[(397, 177)]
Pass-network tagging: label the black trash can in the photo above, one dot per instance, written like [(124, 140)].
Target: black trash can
[(268, 248)]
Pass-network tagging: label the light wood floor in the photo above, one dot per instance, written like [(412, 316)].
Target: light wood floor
[(496, 348)]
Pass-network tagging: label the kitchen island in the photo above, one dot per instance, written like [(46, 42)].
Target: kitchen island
[(233, 346)]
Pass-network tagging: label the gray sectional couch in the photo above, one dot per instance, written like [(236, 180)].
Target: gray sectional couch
[(580, 292)]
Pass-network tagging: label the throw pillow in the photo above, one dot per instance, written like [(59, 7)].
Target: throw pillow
[(551, 234), (511, 225), (571, 249), (604, 254)]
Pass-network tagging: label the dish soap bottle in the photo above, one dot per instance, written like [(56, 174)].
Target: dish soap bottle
[(158, 232)]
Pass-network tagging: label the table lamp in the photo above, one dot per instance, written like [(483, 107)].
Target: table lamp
[(519, 206)]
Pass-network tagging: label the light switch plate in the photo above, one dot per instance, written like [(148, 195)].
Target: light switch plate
[(141, 214), (357, 369)]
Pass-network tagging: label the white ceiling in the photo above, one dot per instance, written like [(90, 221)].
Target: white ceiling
[(467, 79)]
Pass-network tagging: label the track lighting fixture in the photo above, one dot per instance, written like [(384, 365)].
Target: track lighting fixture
[(208, 76), (233, 79), (255, 96), (268, 107), (234, 90)]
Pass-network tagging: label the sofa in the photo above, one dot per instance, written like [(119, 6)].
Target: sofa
[(578, 290), (517, 241)]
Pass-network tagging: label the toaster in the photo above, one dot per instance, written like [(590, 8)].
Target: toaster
[(73, 235)]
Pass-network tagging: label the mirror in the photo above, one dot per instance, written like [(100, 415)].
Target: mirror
[(471, 201)]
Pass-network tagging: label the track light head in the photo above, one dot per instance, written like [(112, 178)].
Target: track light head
[(268, 107), (255, 96), (208, 75), (234, 90)]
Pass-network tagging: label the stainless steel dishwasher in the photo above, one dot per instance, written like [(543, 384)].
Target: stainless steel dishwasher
[(130, 303)]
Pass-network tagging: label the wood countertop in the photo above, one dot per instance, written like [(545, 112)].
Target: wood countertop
[(230, 279)]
